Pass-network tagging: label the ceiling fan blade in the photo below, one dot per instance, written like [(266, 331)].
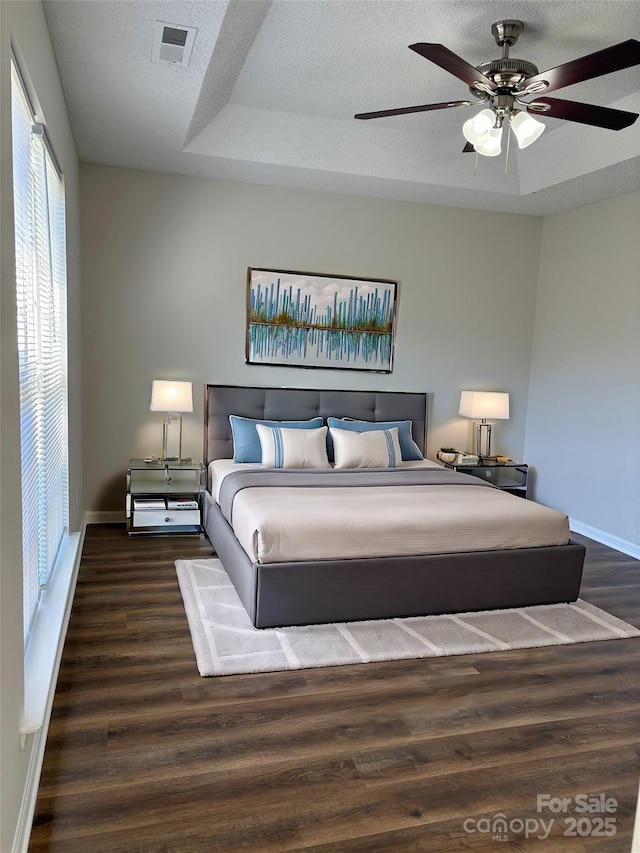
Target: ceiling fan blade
[(583, 113), (452, 63), (468, 148), (419, 109), (613, 58)]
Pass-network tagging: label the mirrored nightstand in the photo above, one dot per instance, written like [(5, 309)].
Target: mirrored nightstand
[(164, 498), (508, 476)]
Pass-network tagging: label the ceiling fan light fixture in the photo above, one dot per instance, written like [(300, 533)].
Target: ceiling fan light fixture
[(526, 128), (476, 130)]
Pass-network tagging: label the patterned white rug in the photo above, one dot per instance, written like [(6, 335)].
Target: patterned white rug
[(225, 642)]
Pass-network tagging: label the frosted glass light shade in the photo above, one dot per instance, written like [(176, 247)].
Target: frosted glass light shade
[(493, 405), (526, 129), (491, 146), (476, 129), (169, 396)]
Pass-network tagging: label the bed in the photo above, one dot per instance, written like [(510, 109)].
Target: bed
[(279, 588)]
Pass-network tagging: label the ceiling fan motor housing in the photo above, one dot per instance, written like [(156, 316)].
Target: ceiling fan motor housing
[(506, 73)]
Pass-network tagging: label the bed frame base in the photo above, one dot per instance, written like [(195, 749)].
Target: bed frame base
[(314, 592)]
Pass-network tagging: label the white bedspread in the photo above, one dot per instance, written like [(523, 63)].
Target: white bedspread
[(298, 524)]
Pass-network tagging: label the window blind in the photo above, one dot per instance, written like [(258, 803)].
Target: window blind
[(40, 246)]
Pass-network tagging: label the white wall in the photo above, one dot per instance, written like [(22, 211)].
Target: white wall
[(23, 25), (164, 293), (583, 427)]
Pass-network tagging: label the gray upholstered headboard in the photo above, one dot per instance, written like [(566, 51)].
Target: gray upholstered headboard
[(300, 404)]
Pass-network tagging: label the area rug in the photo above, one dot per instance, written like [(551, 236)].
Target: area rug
[(226, 643)]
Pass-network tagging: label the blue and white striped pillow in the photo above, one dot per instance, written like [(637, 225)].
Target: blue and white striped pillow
[(293, 448), (376, 449), (246, 444), (410, 450)]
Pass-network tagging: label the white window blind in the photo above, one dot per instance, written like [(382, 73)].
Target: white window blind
[(39, 213)]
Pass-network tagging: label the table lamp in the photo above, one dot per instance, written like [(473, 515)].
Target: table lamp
[(173, 398), (480, 406)]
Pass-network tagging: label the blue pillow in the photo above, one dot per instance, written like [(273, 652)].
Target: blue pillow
[(409, 449), (246, 442)]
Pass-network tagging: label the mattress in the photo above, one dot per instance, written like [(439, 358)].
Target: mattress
[(298, 523)]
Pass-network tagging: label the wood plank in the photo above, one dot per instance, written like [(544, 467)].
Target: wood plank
[(145, 756)]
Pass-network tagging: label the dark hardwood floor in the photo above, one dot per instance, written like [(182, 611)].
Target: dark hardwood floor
[(145, 756)]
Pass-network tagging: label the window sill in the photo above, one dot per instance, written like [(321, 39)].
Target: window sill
[(44, 651)]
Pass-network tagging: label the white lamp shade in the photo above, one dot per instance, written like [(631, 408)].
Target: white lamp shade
[(526, 129), (492, 405), (491, 146), (476, 129), (169, 396)]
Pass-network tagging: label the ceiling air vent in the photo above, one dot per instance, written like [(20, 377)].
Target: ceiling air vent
[(173, 43)]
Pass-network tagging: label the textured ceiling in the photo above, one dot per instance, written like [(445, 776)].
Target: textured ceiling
[(272, 87)]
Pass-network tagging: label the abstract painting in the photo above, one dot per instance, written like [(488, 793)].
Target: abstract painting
[(299, 319)]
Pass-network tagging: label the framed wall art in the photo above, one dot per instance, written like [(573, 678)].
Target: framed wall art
[(299, 319)]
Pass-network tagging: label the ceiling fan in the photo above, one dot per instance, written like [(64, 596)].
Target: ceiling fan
[(503, 84)]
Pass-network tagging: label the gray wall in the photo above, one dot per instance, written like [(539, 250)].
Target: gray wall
[(583, 427), (164, 262), (24, 25)]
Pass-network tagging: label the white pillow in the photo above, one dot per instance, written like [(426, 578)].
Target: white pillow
[(375, 449), (293, 448)]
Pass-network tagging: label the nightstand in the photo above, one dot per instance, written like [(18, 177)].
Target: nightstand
[(164, 498), (508, 476)]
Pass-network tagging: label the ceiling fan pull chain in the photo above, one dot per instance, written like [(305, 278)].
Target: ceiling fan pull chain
[(506, 159), (475, 166)]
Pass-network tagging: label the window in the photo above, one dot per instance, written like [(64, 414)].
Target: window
[(39, 213)]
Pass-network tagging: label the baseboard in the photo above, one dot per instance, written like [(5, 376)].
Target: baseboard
[(32, 782), (22, 836), (635, 841), (104, 517), (604, 538)]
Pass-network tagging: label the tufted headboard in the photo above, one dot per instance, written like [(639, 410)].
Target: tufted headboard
[(288, 404)]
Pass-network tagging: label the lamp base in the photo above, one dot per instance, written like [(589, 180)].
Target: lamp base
[(165, 430), (486, 454), (165, 439)]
